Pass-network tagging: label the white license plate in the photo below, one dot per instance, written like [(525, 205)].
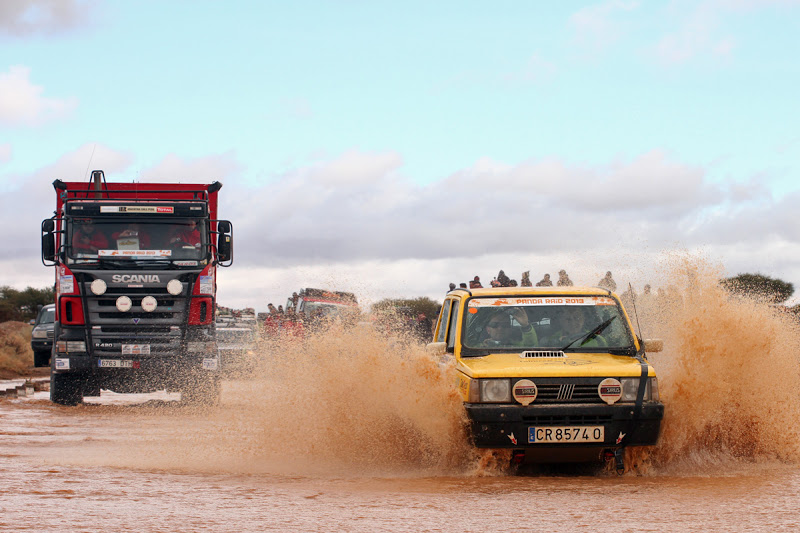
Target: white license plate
[(135, 349), (564, 434), (114, 363)]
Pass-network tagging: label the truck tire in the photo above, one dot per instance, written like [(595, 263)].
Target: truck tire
[(41, 358), (65, 389), (201, 393)]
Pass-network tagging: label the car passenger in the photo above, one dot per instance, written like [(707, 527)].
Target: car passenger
[(132, 238), (500, 330), (88, 239), (187, 233), (570, 325)]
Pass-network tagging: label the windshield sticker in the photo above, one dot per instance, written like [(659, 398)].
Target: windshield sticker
[(67, 284), (134, 253), (135, 209), (206, 284), (548, 300)]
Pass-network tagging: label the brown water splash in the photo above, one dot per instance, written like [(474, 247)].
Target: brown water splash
[(728, 376)]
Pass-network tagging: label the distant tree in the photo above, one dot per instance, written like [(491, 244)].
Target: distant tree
[(23, 305), (413, 306), (759, 286)]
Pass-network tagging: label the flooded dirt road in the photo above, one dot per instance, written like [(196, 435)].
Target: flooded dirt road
[(156, 467), (352, 431)]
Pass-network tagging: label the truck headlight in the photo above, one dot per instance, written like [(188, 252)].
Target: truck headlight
[(495, 390), (98, 287), (70, 346), (630, 388), (200, 347)]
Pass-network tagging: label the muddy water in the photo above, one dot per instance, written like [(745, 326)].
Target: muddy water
[(356, 432)]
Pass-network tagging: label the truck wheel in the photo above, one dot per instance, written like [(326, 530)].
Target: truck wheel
[(65, 389), (202, 392), (41, 358)]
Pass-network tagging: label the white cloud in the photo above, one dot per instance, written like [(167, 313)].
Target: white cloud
[(383, 235), (701, 30), (25, 17), (198, 170), (21, 102)]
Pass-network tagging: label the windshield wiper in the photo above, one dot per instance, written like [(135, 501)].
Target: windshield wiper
[(592, 334)]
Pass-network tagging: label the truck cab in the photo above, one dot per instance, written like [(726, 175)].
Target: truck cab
[(135, 267)]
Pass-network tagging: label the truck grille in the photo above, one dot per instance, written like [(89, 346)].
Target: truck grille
[(111, 329)]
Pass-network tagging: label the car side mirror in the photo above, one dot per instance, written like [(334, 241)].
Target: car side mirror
[(225, 247), (653, 345), (436, 348)]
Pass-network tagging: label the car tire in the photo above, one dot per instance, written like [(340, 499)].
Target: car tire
[(66, 389), (41, 358)]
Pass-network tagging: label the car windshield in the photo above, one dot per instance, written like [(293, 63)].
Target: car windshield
[(47, 316), (128, 239), (570, 323)]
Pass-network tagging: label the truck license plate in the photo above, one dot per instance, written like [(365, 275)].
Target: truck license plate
[(115, 363), (135, 349), (564, 434)]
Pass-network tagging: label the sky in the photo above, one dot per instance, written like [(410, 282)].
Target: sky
[(390, 148)]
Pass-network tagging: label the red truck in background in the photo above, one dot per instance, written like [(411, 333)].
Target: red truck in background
[(135, 268), (310, 309)]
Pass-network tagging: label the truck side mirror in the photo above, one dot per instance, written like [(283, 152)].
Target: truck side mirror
[(224, 226), (48, 247), (48, 226), (224, 247)]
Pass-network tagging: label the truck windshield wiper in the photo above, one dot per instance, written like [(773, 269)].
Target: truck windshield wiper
[(592, 334)]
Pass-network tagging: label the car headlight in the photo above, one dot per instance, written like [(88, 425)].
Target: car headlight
[(39, 334), (630, 388), (495, 390), (652, 390)]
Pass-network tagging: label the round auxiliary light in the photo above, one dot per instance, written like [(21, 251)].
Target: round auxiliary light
[(174, 287), (98, 287), (124, 304), (525, 391), (610, 390), (149, 304)]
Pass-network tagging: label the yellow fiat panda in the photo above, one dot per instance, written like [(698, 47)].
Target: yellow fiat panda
[(556, 374)]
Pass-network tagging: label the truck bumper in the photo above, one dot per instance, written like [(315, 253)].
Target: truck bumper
[(137, 373), (509, 426)]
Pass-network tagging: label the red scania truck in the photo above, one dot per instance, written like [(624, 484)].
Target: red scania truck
[(135, 288)]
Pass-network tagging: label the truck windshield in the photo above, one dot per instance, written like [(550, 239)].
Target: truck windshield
[(176, 239), (570, 323), (326, 309)]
